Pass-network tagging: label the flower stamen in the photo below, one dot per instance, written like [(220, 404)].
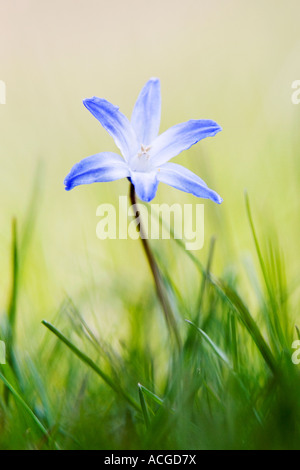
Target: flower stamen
[(144, 151)]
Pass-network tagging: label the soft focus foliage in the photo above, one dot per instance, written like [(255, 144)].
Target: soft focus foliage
[(233, 385)]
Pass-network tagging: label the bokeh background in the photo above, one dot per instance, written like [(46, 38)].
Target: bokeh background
[(232, 61)]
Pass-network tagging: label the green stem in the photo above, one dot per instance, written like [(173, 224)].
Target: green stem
[(20, 400), (167, 310)]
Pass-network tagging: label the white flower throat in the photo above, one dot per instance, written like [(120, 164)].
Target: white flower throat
[(142, 161)]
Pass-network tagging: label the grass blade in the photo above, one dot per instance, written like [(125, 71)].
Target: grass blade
[(28, 410), (151, 395), (84, 358), (240, 308), (212, 345), (144, 406)]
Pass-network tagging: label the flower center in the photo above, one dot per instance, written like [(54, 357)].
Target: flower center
[(141, 162)]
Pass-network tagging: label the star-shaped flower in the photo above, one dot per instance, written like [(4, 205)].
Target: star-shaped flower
[(145, 154)]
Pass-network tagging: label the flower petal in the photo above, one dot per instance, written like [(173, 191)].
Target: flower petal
[(145, 184), (181, 137), (116, 124), (102, 167), (185, 180), (146, 113)]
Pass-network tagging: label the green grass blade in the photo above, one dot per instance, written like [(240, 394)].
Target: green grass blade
[(89, 362), (32, 210), (212, 345), (240, 308), (269, 279), (24, 405), (151, 395), (234, 300), (12, 305), (12, 309), (258, 250), (234, 341), (204, 278), (144, 406)]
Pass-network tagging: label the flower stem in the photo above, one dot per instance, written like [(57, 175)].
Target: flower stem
[(167, 310)]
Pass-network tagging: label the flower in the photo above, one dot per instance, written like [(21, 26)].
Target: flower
[(145, 154)]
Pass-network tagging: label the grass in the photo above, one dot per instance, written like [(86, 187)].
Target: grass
[(232, 385), (102, 371)]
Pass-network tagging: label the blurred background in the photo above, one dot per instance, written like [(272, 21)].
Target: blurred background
[(232, 61)]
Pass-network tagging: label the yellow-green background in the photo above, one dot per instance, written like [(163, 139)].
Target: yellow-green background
[(231, 61)]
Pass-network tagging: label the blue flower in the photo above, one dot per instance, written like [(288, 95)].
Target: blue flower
[(145, 154)]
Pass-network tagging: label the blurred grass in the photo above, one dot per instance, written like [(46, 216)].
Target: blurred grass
[(233, 62)]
